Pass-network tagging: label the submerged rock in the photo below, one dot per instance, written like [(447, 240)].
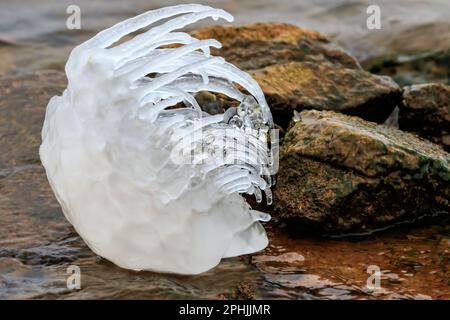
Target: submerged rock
[(343, 174), (425, 110), (301, 69)]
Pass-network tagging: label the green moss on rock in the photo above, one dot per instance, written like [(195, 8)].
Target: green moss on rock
[(300, 69), (343, 174)]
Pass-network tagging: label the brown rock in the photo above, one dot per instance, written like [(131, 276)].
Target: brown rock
[(23, 100), (343, 174), (301, 69), (426, 111), (324, 86), (419, 68), (264, 44)]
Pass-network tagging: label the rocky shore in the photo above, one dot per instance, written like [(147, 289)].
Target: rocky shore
[(344, 170)]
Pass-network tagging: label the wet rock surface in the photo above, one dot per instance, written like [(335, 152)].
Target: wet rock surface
[(343, 174), (37, 244), (300, 69), (23, 100), (264, 44), (299, 86), (423, 67), (425, 109)]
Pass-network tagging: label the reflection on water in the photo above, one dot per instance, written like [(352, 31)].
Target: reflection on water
[(413, 265), (37, 244), (311, 269)]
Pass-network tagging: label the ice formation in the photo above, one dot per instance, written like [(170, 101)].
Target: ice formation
[(149, 180)]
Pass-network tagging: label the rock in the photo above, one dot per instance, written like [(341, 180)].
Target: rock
[(342, 174), (23, 100), (264, 44), (29, 212), (425, 110), (412, 69), (323, 86), (301, 69), (213, 104), (48, 254)]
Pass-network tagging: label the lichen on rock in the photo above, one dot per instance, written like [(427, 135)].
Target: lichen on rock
[(324, 86), (300, 69), (344, 174), (415, 68), (425, 110)]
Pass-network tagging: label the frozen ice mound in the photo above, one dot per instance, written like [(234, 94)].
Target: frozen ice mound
[(149, 184)]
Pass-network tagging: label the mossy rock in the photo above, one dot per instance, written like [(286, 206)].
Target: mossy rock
[(415, 68), (300, 69), (425, 110), (342, 174)]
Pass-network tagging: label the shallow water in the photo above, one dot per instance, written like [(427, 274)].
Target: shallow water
[(38, 38), (37, 244)]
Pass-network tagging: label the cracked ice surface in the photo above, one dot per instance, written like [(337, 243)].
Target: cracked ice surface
[(111, 147)]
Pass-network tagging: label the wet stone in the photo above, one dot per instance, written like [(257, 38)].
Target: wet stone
[(37, 244), (425, 110), (300, 69), (23, 100), (342, 174), (423, 67)]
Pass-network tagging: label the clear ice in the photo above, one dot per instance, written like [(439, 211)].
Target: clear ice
[(146, 184)]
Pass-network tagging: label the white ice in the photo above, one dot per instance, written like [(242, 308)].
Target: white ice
[(110, 143)]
